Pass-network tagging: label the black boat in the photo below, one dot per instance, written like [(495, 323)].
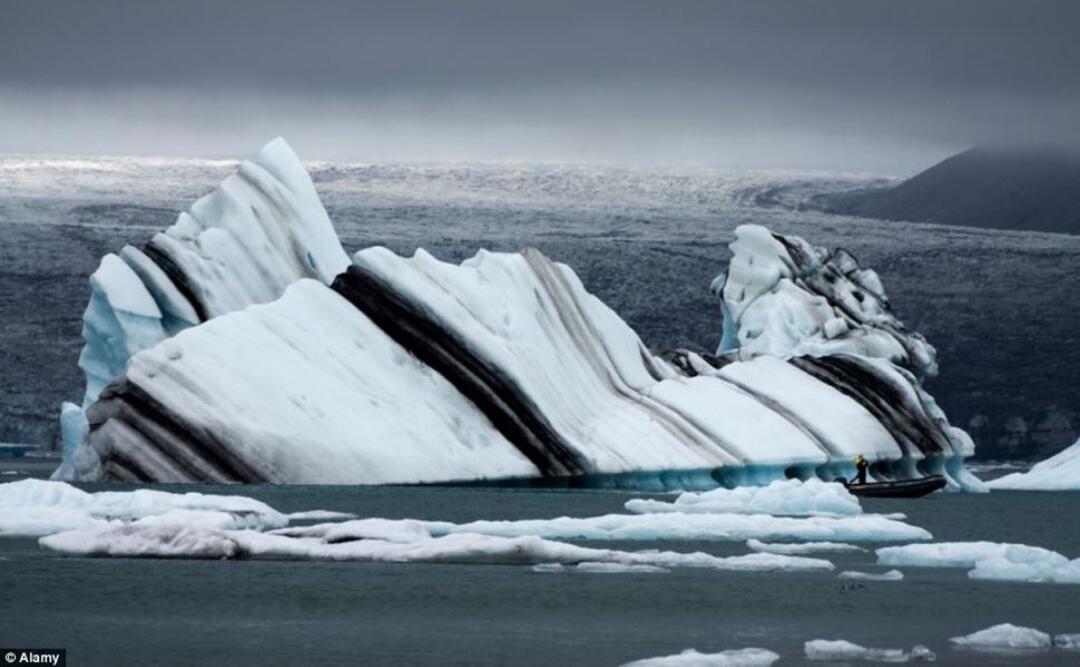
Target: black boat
[(906, 488)]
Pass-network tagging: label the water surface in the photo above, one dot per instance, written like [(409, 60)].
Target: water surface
[(140, 612)]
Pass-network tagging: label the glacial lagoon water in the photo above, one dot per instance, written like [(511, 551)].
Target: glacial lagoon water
[(145, 611)]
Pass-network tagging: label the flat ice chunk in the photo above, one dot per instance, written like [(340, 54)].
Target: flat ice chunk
[(840, 650), (801, 548), (319, 515), (747, 657), (1070, 642), (390, 530), (891, 575), (1054, 569), (712, 527), (782, 497), (1060, 472), (961, 554), (175, 540), (601, 568), (988, 560), (32, 507), (1005, 636)]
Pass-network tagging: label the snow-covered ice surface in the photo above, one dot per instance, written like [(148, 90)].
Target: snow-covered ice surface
[(841, 650), (746, 657), (1005, 636), (1060, 472), (988, 560), (781, 497), (855, 575), (709, 527)]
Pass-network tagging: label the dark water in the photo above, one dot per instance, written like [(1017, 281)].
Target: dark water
[(149, 612)]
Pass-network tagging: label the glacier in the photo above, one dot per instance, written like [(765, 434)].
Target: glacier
[(243, 345), (1060, 472)]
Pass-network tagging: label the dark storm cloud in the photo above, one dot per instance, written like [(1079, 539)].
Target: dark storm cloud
[(916, 78)]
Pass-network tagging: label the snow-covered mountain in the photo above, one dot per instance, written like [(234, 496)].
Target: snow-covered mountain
[(242, 345)]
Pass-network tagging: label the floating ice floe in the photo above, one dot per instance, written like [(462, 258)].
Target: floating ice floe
[(988, 560), (1069, 642), (32, 507), (1005, 636), (170, 540), (242, 345), (891, 575), (747, 657), (712, 527), (799, 548), (790, 497), (601, 568), (840, 650), (1060, 472)]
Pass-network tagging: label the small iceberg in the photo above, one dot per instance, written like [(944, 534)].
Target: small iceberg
[(988, 560), (1060, 472), (790, 497), (1005, 636), (837, 650), (747, 657), (891, 575)]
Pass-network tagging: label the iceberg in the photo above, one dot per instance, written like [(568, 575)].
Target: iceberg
[(1005, 636), (840, 650), (1060, 472), (747, 657), (791, 497), (242, 345), (785, 298), (261, 230)]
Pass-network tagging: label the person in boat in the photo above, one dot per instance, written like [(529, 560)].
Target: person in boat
[(861, 466)]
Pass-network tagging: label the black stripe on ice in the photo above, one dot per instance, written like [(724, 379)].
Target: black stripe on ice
[(138, 422), (178, 278), (504, 403), (892, 406)]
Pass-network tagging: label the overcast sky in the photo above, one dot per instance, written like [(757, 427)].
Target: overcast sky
[(856, 84)]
